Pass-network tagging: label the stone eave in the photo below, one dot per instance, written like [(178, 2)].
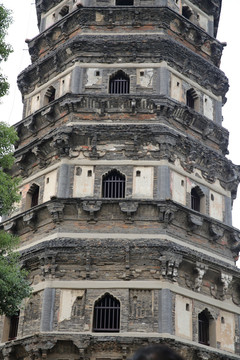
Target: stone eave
[(162, 18), (167, 215), (126, 344), (67, 141), (162, 108), (92, 48)]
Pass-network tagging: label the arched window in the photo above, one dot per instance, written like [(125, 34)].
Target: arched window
[(124, 2), (106, 317), (113, 185), (203, 328), (50, 95), (13, 328), (191, 98), (119, 83), (195, 200)]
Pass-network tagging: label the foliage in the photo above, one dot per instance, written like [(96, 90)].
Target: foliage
[(5, 49), (8, 186), (14, 286)]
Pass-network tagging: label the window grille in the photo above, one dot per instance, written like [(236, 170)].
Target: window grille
[(106, 316), (113, 185), (119, 83), (195, 200), (14, 320), (203, 329)]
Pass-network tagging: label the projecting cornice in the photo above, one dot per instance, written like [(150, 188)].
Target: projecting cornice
[(149, 142), (84, 20), (139, 49), (126, 109), (219, 242)]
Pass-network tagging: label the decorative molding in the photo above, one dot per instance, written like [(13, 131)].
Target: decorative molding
[(195, 221), (169, 265), (92, 207), (129, 208), (201, 271), (56, 209)]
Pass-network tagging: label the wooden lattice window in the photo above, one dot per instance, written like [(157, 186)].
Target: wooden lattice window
[(106, 317), (203, 328), (119, 83), (113, 185)]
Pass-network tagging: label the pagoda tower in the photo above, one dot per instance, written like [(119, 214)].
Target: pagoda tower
[(125, 215)]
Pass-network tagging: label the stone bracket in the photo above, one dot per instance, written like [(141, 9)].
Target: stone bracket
[(30, 219), (166, 213), (129, 208), (92, 207), (216, 232), (169, 265), (195, 221), (56, 209), (201, 271)]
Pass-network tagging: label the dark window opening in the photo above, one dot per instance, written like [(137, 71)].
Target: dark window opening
[(203, 328), (113, 185), (35, 196), (186, 12), (119, 83), (195, 200), (14, 320), (124, 2), (106, 316), (191, 98), (64, 11), (50, 95)]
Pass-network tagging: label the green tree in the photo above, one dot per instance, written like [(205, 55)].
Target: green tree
[(14, 286), (5, 49)]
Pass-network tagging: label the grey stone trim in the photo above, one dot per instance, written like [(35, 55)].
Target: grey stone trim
[(228, 211), (48, 309), (77, 80), (163, 182), (164, 81), (218, 112), (64, 181), (165, 324)]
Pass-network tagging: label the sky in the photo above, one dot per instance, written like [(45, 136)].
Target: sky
[(25, 27)]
